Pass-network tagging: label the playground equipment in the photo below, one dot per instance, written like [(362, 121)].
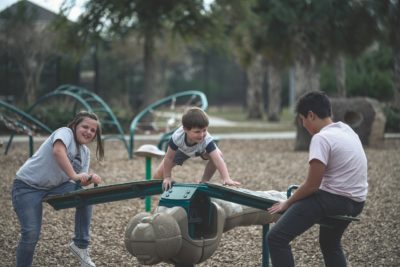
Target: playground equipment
[(90, 102), (20, 122), (201, 214), (149, 152), (164, 116), (187, 226), (365, 115)]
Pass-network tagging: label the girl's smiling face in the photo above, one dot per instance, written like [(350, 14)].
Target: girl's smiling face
[(85, 131)]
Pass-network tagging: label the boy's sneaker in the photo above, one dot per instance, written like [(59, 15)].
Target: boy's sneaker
[(82, 254)]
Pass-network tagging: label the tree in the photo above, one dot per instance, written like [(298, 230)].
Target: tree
[(350, 29), (388, 14), (306, 33), (241, 26), (29, 41), (152, 20)]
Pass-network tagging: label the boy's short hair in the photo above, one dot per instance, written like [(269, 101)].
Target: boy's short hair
[(315, 101), (195, 118)]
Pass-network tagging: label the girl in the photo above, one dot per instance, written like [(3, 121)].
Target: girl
[(61, 161)]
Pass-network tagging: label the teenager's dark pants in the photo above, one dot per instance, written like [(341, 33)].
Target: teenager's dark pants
[(305, 213)]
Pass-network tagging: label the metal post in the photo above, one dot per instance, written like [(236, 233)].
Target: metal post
[(9, 143), (148, 178), (30, 146), (265, 256)]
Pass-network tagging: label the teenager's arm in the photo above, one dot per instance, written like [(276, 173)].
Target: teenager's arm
[(309, 186), (60, 154)]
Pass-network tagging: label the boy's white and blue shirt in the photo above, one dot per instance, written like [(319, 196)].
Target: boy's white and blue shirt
[(178, 142)]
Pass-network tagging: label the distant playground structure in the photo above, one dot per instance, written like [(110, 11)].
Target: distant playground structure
[(20, 122), (161, 117)]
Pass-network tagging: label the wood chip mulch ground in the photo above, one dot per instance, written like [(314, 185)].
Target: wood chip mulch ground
[(258, 165)]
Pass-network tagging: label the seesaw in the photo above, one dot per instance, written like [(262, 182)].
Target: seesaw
[(186, 227)]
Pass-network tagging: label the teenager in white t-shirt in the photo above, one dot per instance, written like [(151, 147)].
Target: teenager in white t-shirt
[(336, 184), (193, 140)]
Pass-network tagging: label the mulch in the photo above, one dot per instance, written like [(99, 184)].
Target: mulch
[(257, 164)]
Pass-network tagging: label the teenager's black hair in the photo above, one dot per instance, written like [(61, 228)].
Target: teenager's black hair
[(315, 101)]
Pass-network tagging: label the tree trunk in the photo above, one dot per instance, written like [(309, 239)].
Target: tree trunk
[(96, 88), (31, 72), (307, 79), (255, 75), (306, 74), (152, 90), (30, 90), (396, 99), (340, 73), (394, 14), (274, 92), (77, 77)]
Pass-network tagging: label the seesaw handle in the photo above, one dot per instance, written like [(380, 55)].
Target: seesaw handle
[(78, 183)]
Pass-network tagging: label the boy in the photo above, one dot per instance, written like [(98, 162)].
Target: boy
[(193, 140), (336, 184)]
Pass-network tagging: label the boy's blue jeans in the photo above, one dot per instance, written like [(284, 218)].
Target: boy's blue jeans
[(305, 213), (27, 203)]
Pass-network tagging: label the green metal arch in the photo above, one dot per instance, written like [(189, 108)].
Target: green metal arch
[(134, 124), (26, 117), (91, 102)]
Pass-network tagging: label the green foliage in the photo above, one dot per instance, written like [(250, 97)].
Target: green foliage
[(392, 119), (54, 116), (328, 82), (213, 73), (371, 75)]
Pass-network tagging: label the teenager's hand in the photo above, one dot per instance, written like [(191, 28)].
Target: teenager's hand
[(96, 179), (278, 207), (83, 178), (166, 185), (231, 182)]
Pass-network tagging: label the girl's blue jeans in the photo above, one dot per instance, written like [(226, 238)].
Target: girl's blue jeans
[(27, 203), (305, 213)]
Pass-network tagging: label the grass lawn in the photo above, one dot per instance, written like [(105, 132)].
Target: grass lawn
[(237, 118)]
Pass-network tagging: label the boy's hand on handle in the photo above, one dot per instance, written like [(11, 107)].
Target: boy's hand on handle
[(166, 185), (231, 182)]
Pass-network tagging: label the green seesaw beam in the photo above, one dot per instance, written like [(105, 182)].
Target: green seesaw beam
[(139, 189), (240, 196), (178, 192), (104, 194)]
